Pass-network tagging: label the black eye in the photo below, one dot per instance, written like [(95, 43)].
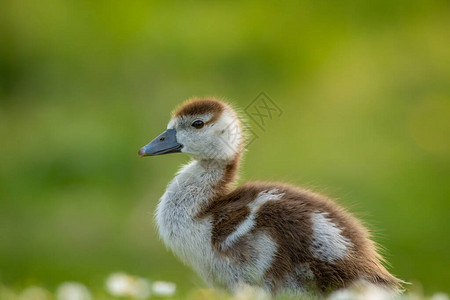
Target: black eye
[(198, 124)]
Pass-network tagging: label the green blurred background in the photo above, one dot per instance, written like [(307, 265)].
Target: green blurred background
[(365, 93)]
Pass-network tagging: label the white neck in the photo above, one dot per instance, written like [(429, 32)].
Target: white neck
[(192, 189)]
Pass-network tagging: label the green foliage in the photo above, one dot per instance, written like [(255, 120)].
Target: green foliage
[(364, 88)]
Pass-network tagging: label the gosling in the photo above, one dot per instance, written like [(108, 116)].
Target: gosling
[(272, 236)]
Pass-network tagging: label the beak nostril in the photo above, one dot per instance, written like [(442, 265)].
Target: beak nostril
[(162, 139)]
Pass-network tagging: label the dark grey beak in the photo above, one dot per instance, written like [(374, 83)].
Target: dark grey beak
[(165, 143)]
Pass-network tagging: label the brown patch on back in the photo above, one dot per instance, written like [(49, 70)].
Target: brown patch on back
[(228, 212), (288, 222), (199, 107)]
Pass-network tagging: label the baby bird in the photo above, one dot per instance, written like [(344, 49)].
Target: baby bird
[(273, 236)]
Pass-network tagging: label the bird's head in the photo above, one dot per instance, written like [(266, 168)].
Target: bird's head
[(204, 128)]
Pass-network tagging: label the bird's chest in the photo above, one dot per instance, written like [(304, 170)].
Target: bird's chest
[(187, 236), (190, 239)]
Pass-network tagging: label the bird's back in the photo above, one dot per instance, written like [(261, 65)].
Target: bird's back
[(310, 243)]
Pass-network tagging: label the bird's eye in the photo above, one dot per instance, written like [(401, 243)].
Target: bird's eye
[(198, 124)]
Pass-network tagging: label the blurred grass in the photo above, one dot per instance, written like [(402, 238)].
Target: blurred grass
[(364, 88)]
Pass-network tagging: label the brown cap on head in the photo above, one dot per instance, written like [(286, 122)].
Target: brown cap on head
[(198, 106)]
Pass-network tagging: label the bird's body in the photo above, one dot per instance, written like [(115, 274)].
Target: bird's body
[(274, 236)]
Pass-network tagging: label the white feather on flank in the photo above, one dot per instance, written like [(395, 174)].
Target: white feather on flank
[(249, 223), (263, 259), (328, 242)]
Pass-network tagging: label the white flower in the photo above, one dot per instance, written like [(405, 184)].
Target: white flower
[(376, 293), (247, 292), (363, 292), (34, 293), (73, 291), (440, 296), (162, 288), (343, 294), (124, 285)]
